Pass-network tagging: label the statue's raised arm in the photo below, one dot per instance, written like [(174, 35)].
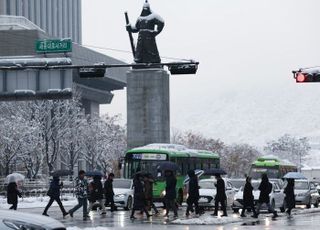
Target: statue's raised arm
[(149, 25)]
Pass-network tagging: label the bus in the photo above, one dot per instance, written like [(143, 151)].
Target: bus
[(274, 167), (147, 158)]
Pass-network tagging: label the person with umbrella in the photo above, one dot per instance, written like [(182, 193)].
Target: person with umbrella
[(220, 196), (193, 193), (248, 198), (289, 198), (265, 188), (171, 194), (54, 194), (109, 193), (148, 190), (13, 192), (81, 194), (96, 193), (138, 196)]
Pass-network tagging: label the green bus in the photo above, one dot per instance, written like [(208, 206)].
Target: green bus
[(147, 158), (274, 167)]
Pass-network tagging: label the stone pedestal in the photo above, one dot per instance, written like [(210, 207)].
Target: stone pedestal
[(148, 107)]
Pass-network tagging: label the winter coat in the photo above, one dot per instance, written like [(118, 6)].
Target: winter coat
[(139, 199), (248, 198), (148, 188), (108, 189), (54, 189), (97, 190), (13, 193), (81, 188), (171, 183), (193, 193), (265, 188), (289, 199), (221, 190)]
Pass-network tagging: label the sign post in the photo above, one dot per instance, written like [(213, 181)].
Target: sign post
[(54, 46)]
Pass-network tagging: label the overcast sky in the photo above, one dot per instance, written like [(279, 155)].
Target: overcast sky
[(240, 44)]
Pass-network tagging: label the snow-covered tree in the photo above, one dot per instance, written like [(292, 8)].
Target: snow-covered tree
[(290, 148), (237, 158)]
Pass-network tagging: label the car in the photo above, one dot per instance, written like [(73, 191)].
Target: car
[(10, 220), (123, 193), (276, 196), (306, 193), (208, 191)]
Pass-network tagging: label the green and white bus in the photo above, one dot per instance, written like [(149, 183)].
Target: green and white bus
[(147, 158), (274, 167)]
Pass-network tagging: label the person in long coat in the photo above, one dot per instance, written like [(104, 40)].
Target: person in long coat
[(265, 188), (12, 194), (109, 193), (193, 193), (96, 194), (290, 202), (220, 197), (148, 191), (248, 198), (139, 202), (54, 194), (171, 194)]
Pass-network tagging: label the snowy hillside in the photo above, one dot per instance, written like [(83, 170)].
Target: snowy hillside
[(253, 115)]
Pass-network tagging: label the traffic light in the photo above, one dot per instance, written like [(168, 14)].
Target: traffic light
[(302, 77), (92, 72), (190, 68)]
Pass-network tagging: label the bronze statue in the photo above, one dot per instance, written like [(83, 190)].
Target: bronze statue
[(149, 25)]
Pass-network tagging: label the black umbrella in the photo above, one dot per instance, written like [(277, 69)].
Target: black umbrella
[(213, 171), (62, 172), (94, 173), (167, 165)]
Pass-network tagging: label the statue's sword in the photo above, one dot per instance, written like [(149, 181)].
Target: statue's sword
[(130, 36)]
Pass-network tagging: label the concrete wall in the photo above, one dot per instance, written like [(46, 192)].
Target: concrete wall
[(148, 107), (59, 18)]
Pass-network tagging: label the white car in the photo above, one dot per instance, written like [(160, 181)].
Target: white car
[(208, 191), (10, 220), (276, 196), (306, 193), (123, 193)]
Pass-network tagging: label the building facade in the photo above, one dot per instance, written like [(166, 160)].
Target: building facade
[(58, 18)]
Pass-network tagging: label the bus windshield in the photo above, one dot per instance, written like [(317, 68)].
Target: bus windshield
[(146, 166), (256, 173)]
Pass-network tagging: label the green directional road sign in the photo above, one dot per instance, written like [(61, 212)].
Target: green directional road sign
[(54, 46)]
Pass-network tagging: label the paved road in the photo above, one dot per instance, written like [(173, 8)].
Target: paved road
[(120, 219)]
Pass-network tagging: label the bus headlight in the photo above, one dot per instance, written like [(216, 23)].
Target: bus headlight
[(163, 194)]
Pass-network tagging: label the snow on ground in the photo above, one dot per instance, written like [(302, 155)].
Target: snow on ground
[(37, 202), (207, 220), (96, 228)]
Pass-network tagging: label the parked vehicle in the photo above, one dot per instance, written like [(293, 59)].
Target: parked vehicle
[(19, 220), (306, 193), (208, 191), (276, 196), (123, 193)]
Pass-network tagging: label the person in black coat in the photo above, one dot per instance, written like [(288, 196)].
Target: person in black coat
[(54, 194), (171, 194), (108, 192), (139, 202), (96, 194), (12, 195), (220, 196), (248, 198), (290, 202), (193, 193), (265, 188), (148, 192)]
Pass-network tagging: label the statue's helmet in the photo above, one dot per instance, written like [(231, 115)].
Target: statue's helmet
[(146, 9)]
